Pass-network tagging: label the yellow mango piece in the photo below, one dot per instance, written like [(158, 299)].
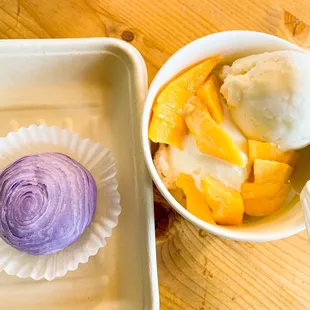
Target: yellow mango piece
[(177, 92), (266, 171), (179, 196), (195, 201), (169, 115), (191, 79), (264, 190), (172, 96), (226, 203), (264, 198), (209, 94), (162, 132), (269, 151), (169, 104), (263, 206), (210, 137)]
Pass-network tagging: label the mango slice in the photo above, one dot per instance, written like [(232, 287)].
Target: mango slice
[(264, 206), (170, 102), (179, 196), (210, 137), (209, 94), (264, 199), (264, 190), (169, 115), (266, 171), (195, 201), (174, 97), (226, 203), (163, 132), (269, 151), (193, 78)]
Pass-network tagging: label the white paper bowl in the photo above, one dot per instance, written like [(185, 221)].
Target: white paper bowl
[(231, 45)]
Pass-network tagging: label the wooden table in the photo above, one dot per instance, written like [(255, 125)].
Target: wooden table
[(196, 270)]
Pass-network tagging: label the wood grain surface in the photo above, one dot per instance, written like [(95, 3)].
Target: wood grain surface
[(196, 270)]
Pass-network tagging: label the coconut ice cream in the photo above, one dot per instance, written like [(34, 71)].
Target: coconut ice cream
[(269, 97)]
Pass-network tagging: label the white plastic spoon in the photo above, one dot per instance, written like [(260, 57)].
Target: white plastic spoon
[(301, 183), (305, 202)]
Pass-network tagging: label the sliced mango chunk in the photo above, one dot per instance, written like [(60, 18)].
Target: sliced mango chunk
[(162, 132), (193, 78), (269, 151), (169, 104), (209, 94), (179, 196), (174, 97), (195, 201), (264, 190), (169, 115), (179, 90), (263, 206), (264, 199), (210, 137), (226, 203), (266, 171)]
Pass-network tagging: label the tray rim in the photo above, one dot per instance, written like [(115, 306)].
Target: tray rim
[(141, 84)]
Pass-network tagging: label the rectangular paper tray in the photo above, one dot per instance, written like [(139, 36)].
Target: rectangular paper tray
[(95, 87)]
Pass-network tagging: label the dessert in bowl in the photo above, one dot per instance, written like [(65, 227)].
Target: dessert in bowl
[(220, 161)]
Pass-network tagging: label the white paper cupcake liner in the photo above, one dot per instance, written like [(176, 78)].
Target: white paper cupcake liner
[(101, 164)]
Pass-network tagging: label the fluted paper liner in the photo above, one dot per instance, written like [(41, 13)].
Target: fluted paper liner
[(101, 164)]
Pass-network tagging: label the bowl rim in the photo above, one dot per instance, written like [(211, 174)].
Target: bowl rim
[(222, 231)]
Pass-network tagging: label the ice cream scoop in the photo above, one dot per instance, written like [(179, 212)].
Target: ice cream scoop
[(46, 202), (269, 97)]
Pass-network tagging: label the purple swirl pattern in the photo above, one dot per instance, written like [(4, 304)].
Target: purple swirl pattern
[(46, 202)]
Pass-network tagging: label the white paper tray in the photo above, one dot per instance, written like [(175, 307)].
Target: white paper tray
[(95, 87)]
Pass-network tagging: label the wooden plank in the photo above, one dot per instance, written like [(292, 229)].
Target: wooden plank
[(196, 270)]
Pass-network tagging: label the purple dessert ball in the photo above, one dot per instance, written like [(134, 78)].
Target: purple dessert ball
[(46, 202)]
